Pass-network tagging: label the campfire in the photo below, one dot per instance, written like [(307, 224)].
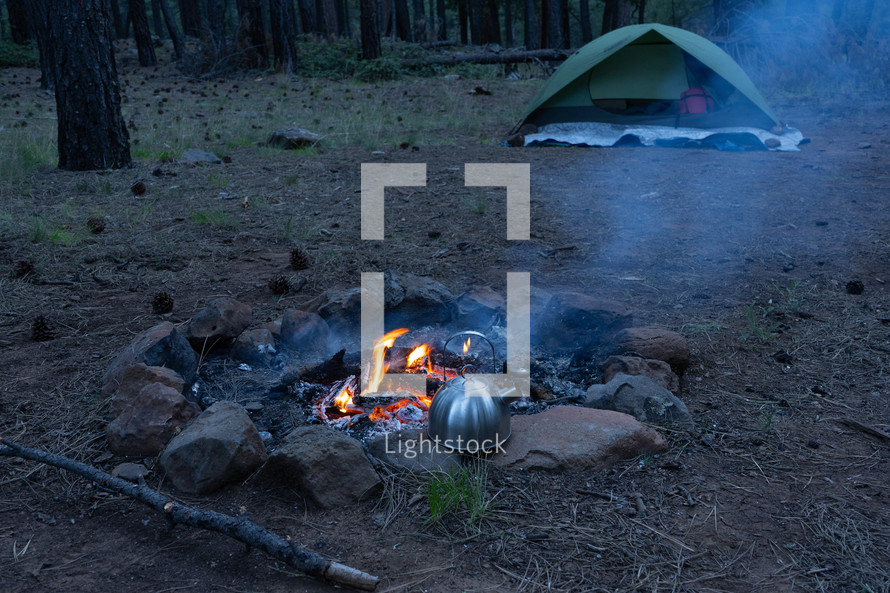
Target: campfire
[(344, 406)]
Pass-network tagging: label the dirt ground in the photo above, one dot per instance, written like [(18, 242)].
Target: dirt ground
[(779, 487)]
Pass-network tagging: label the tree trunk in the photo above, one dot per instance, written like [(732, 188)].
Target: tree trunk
[(343, 29), (171, 28), (463, 18), (190, 13), (117, 19), (40, 25), (217, 24), (283, 23), (18, 21), (553, 31), (642, 15), (508, 23), (251, 34), (307, 16), (403, 21), (475, 12), (504, 57), (419, 29), (141, 32), (156, 18), (370, 32), (441, 31), (532, 35), (566, 30), (331, 28), (584, 15), (491, 25), (616, 14), (91, 130)]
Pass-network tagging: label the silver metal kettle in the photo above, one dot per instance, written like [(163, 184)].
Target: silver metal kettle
[(472, 414)]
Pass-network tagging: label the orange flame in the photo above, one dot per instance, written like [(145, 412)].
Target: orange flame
[(343, 399), (380, 347), (467, 345), (415, 358)]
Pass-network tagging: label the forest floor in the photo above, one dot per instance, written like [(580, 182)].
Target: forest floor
[(747, 254)]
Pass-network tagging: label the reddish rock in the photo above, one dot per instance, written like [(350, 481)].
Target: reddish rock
[(254, 346), (341, 309), (274, 327), (305, 332), (150, 421), (327, 466), (575, 322), (136, 377), (223, 318), (221, 446), (161, 346), (657, 370), (569, 437), (653, 342)]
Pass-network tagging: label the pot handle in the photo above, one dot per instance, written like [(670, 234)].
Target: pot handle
[(474, 334)]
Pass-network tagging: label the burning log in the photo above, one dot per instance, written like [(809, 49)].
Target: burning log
[(239, 528)]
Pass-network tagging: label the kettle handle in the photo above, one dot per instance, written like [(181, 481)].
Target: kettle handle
[(478, 335)]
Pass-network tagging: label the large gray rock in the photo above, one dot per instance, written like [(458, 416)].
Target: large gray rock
[(293, 138), (653, 342), (326, 466), (570, 437), (307, 333), (161, 346), (657, 370), (409, 301), (341, 309), (642, 398), (574, 322), (196, 155), (413, 450), (254, 346), (221, 446), (150, 421), (481, 307), (135, 377), (416, 301), (222, 318)]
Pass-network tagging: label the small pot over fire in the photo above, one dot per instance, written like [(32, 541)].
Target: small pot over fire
[(471, 413)]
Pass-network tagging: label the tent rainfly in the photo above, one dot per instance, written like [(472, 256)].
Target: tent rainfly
[(637, 75)]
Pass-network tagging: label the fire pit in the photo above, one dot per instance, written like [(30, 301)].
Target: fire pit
[(343, 407)]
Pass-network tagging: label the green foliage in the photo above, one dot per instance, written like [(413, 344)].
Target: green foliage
[(19, 56), (385, 68), (216, 218), (766, 420), (463, 491), (759, 327)]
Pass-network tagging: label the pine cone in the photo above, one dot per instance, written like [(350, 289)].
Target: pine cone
[(40, 330), (138, 188), (162, 303), (22, 268), (279, 285), (96, 225), (299, 259)]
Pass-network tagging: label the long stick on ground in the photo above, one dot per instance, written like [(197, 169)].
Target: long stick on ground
[(238, 528), (506, 57)]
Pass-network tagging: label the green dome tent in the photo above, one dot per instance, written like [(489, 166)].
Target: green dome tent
[(636, 76)]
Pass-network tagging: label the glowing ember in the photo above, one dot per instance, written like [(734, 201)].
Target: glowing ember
[(380, 347)]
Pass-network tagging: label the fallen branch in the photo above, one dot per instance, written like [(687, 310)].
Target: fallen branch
[(864, 428), (239, 528), (505, 57)]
